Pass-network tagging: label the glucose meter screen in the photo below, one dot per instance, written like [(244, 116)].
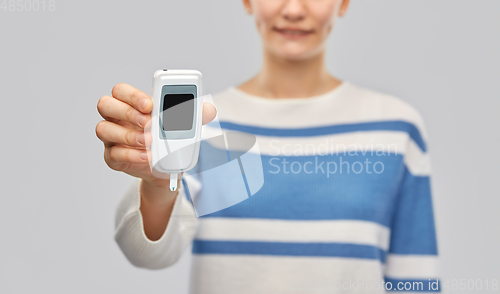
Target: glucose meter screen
[(178, 112)]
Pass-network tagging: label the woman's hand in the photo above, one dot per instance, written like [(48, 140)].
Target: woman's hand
[(126, 113)]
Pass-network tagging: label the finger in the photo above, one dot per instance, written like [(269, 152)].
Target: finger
[(118, 156), (133, 97), (209, 113), (128, 125), (111, 133), (111, 108)]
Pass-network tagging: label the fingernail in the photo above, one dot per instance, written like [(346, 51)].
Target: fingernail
[(143, 156), (142, 120), (140, 138), (144, 104)]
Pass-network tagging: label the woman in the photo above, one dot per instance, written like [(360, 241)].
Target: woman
[(356, 218)]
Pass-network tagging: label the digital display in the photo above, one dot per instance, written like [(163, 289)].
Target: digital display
[(178, 112)]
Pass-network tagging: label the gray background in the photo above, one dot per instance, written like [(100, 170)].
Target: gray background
[(59, 197)]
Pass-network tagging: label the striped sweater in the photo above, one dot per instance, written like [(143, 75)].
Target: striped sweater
[(345, 205)]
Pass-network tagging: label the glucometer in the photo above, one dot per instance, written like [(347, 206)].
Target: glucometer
[(176, 121)]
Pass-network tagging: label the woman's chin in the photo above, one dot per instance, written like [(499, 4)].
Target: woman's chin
[(296, 53)]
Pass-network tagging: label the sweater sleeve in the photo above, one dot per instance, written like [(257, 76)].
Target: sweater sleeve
[(132, 240), (412, 259)]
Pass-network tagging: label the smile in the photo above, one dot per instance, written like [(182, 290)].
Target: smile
[(293, 33)]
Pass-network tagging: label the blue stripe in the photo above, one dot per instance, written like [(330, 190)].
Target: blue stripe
[(396, 125), (311, 196), (414, 285), (413, 228), (289, 249)]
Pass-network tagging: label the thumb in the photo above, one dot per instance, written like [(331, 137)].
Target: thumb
[(209, 113)]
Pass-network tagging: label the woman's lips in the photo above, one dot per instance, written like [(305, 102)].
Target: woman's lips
[(293, 33)]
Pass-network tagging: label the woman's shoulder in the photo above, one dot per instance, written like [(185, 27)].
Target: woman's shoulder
[(384, 106)]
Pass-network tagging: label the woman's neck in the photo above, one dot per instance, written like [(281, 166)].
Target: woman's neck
[(281, 78)]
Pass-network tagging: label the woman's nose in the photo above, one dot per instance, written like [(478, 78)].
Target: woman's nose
[(294, 10)]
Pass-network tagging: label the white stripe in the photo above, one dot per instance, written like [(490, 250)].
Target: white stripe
[(417, 162), (375, 143), (223, 274), (332, 231), (350, 104), (400, 266)]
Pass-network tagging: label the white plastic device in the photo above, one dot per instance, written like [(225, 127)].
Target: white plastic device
[(176, 121)]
